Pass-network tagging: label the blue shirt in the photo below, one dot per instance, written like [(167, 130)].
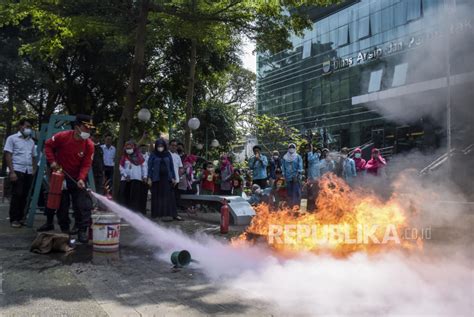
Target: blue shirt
[(348, 169), (22, 150), (292, 169), (259, 167), (313, 172), (326, 166)]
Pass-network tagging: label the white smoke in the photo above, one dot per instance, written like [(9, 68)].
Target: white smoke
[(427, 63), (435, 283)]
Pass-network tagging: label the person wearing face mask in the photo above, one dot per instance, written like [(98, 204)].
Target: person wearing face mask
[(133, 173), (275, 163), (109, 160), (208, 180), (348, 166), (186, 180), (292, 169), (359, 161), (20, 156), (226, 171), (73, 151), (258, 164), (144, 151), (161, 176)]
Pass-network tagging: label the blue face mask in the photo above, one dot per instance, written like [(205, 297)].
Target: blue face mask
[(357, 155)]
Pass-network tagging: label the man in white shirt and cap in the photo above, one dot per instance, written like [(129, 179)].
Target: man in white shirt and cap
[(20, 158)]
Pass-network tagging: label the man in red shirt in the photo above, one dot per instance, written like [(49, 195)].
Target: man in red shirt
[(72, 151)]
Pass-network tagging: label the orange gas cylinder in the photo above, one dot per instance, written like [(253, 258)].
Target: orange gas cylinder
[(55, 188)]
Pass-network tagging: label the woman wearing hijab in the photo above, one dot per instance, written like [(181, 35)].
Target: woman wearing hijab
[(376, 163), (359, 161), (160, 177), (292, 168), (186, 180), (225, 176), (133, 173)]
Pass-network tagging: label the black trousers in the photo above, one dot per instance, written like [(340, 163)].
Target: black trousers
[(109, 175), (99, 184), (20, 189), (81, 204), (132, 195)]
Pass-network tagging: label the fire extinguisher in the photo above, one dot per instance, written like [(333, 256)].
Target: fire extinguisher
[(55, 189), (225, 217)]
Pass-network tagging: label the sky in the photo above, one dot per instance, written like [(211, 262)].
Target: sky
[(248, 58)]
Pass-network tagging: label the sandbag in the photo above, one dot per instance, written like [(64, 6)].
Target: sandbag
[(46, 242)]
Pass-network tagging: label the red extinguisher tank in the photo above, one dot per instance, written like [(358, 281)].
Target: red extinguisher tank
[(225, 217), (55, 189)]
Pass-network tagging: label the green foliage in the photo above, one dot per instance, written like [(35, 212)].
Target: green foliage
[(75, 56), (274, 134)]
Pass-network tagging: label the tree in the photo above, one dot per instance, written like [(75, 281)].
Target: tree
[(274, 134)]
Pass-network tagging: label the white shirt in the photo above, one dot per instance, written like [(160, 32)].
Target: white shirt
[(135, 172), (109, 155), (177, 163), (22, 150)]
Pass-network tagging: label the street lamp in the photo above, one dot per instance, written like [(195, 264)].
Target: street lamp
[(214, 143), (194, 123), (144, 115)]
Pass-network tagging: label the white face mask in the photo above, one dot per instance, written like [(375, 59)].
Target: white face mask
[(27, 132), (160, 149), (357, 155), (275, 157), (84, 135), (292, 150), (129, 151)]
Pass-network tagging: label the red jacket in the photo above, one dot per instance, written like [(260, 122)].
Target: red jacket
[(208, 181), (73, 155)]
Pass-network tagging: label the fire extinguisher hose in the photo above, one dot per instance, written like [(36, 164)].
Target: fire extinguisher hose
[(74, 181)]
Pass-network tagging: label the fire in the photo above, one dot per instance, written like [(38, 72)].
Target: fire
[(346, 221)]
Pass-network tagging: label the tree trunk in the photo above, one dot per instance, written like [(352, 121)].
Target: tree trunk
[(131, 94), (8, 126), (190, 95)]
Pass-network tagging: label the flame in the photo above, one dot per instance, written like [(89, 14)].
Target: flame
[(346, 221)]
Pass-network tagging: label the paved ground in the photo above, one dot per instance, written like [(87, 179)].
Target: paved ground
[(85, 283)]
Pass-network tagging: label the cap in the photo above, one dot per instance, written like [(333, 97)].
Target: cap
[(85, 120)]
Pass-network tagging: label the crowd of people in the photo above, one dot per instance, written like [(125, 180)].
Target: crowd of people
[(291, 176), (167, 172)]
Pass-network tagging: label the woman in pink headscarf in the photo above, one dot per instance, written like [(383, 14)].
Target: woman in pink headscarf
[(376, 163), (186, 180), (226, 174), (359, 161)]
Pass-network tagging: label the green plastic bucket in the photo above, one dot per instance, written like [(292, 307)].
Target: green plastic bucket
[(181, 258)]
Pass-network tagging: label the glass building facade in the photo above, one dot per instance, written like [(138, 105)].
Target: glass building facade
[(369, 53)]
